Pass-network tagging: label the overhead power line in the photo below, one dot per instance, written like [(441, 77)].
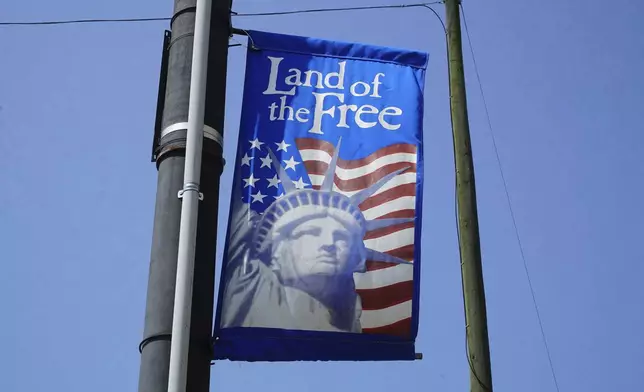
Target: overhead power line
[(316, 10), (79, 21), (139, 20)]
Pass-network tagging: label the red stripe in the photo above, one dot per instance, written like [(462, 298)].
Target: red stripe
[(306, 143), (362, 182), (405, 252), (388, 230), (389, 195), (318, 167), (316, 144), (399, 328), (378, 265), (384, 297), (399, 214)]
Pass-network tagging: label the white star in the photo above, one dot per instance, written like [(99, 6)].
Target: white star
[(278, 196), (258, 197), (282, 146), (246, 160), (255, 143), (266, 161), (250, 181), (299, 184), (273, 181), (290, 164)]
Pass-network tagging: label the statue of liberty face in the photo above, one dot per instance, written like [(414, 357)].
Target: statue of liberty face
[(317, 252), (321, 246)]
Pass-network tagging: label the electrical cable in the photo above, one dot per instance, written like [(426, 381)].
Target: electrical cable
[(79, 21), (317, 10), (126, 20)]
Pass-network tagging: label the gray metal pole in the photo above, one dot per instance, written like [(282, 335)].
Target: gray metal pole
[(190, 195), (470, 247), (170, 159)]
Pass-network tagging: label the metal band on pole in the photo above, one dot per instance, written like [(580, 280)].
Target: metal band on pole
[(208, 132), (178, 371)]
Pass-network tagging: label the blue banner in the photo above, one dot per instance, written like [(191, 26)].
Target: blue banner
[(323, 244)]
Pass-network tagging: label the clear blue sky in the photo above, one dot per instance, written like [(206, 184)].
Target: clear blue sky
[(565, 90)]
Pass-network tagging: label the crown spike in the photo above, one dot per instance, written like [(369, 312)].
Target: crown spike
[(379, 256), (363, 195), (329, 176), (281, 173), (382, 223)]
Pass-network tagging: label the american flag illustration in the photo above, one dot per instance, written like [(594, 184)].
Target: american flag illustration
[(386, 290)]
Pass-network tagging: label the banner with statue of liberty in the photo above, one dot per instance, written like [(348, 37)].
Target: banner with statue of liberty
[(322, 256)]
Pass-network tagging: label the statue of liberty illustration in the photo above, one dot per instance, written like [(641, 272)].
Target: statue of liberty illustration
[(292, 266)]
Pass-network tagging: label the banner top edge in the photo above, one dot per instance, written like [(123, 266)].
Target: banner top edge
[(262, 40)]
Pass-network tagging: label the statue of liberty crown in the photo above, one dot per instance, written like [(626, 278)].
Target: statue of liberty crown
[(297, 204)]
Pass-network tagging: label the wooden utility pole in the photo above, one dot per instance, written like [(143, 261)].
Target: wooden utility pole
[(468, 226)]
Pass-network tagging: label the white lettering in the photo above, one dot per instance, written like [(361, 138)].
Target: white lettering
[(343, 114), (272, 79), (319, 110), (273, 106), (339, 75), (284, 107), (295, 79), (366, 88), (300, 112), (365, 109), (364, 116), (309, 76), (389, 111), (376, 84)]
